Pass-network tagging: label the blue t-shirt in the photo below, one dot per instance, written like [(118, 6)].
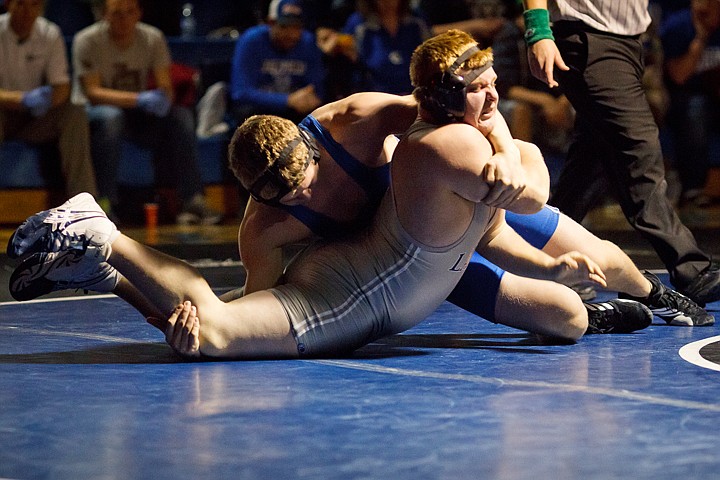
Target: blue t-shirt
[(386, 58), (264, 76)]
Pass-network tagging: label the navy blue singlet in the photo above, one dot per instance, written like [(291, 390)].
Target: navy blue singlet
[(374, 181)]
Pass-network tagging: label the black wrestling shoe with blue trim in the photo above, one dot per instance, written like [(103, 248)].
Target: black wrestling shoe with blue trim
[(74, 225), (673, 307), (45, 272), (617, 316)]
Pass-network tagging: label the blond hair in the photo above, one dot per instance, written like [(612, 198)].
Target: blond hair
[(435, 55), (258, 143)]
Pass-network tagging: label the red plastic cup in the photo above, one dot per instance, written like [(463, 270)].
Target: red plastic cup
[(151, 215)]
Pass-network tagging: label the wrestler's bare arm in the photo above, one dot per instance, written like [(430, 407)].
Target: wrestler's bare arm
[(263, 233), (391, 113), (505, 248), (480, 175), (517, 164), (361, 122), (533, 162)]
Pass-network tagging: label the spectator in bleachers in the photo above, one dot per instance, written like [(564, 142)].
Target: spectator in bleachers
[(386, 33), (114, 60), (338, 47), (691, 44), (370, 48), (35, 91), (480, 18), (277, 67)]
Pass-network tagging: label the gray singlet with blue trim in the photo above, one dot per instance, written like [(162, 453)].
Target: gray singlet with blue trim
[(340, 296)]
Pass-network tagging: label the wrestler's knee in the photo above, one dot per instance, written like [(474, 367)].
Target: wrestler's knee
[(571, 314), (574, 317), (548, 309)]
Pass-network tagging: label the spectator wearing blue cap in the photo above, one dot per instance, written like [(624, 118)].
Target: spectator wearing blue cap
[(35, 92), (277, 68)]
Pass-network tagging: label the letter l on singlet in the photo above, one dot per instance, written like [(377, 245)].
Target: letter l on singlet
[(459, 265)]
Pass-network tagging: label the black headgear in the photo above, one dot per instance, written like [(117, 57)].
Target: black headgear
[(271, 175), (448, 90)]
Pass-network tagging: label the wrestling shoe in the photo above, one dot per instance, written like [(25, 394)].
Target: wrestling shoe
[(617, 316), (706, 286), (75, 224), (45, 272), (673, 307)]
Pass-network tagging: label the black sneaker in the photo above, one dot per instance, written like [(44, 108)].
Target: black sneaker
[(673, 307), (617, 316), (706, 286)]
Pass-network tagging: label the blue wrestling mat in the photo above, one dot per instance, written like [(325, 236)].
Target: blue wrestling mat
[(89, 391)]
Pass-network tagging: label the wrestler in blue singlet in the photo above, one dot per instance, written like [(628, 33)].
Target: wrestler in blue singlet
[(477, 290), (373, 180)]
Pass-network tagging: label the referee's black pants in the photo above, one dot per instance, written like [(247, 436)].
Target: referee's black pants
[(616, 136)]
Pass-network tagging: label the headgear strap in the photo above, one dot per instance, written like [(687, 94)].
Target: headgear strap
[(449, 90), (272, 173), (472, 74), (472, 50)]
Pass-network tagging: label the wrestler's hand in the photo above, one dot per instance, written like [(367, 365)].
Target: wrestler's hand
[(182, 331), (574, 268), (543, 57), (506, 181)]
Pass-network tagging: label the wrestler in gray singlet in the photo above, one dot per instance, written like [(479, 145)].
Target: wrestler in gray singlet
[(340, 296)]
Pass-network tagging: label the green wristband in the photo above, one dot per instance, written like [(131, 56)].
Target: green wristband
[(537, 25)]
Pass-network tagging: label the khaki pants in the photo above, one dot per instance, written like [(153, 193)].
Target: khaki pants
[(68, 126)]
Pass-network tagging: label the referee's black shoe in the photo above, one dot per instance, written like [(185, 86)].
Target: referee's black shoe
[(706, 286), (673, 307)]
